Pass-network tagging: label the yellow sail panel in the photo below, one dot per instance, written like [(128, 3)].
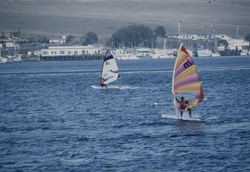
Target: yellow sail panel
[(181, 58), (194, 86), (190, 71), (193, 104)]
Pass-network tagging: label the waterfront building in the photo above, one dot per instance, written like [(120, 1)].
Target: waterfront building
[(61, 40), (70, 53)]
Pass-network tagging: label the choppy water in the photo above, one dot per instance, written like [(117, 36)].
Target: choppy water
[(53, 118)]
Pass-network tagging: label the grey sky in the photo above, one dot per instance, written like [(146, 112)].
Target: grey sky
[(106, 16)]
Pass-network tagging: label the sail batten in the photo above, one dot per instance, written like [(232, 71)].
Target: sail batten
[(186, 80)]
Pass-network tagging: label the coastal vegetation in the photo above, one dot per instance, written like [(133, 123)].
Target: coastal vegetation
[(136, 35), (160, 31), (90, 38), (85, 39), (131, 36)]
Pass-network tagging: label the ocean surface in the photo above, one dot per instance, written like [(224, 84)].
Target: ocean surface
[(54, 117)]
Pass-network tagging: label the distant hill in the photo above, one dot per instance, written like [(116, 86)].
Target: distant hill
[(106, 16)]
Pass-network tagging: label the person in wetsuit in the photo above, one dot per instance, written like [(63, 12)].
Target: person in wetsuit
[(183, 106)]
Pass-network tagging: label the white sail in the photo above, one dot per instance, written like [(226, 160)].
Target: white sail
[(110, 71)]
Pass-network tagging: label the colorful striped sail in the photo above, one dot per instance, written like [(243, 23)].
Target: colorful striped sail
[(186, 80)]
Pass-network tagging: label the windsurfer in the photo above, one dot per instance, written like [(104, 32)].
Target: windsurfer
[(186, 82), (109, 71), (102, 80), (183, 106)]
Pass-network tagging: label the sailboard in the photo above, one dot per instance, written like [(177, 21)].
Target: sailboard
[(174, 117), (110, 71), (186, 82)]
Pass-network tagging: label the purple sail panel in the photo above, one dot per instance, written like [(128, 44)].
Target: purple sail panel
[(183, 66), (188, 80), (192, 92)]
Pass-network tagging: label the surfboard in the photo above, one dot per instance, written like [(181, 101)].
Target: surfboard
[(115, 87), (97, 87), (175, 117)]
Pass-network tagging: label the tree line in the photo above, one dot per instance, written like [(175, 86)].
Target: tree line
[(129, 36), (86, 39), (135, 35)]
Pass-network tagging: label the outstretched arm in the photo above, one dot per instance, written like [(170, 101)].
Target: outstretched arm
[(178, 101)]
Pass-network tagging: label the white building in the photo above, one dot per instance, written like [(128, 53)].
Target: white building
[(61, 40), (191, 37), (11, 49), (69, 51), (241, 44)]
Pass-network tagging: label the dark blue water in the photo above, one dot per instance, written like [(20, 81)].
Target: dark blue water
[(52, 119)]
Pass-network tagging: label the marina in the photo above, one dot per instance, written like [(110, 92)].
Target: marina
[(206, 46)]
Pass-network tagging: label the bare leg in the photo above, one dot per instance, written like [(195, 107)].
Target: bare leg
[(190, 113)]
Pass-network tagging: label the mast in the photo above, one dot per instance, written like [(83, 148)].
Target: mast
[(175, 68), (174, 101), (179, 28)]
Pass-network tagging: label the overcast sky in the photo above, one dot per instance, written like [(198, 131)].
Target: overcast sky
[(106, 16)]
